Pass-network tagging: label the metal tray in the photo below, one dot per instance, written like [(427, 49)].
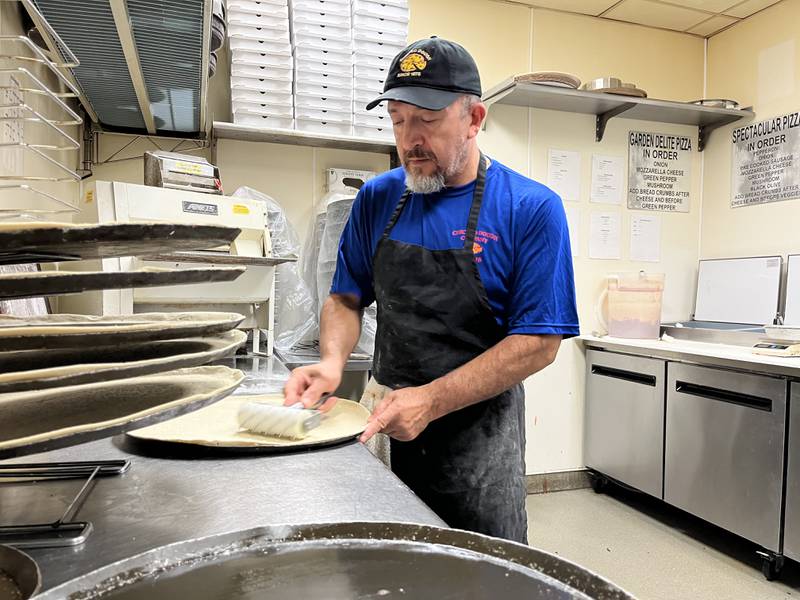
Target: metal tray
[(44, 420), (343, 561), (23, 571), (76, 367), (50, 283), (43, 242), (86, 331), (219, 258)]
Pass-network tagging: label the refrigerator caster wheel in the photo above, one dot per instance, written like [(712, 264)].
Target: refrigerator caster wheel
[(771, 565), (598, 483)]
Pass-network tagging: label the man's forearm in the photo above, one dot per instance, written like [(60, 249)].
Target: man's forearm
[(340, 328), (504, 365)]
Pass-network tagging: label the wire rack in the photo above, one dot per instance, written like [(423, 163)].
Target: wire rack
[(36, 150)]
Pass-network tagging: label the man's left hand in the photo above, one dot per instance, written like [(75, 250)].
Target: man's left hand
[(402, 414)]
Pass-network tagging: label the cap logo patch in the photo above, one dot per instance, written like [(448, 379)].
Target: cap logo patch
[(414, 63)]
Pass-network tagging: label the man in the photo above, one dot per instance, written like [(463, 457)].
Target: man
[(470, 266)]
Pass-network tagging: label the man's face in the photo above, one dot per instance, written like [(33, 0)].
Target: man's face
[(431, 144)]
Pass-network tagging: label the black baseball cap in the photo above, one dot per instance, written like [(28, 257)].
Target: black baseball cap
[(430, 73)]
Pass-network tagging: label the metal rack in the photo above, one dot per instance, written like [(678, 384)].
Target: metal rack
[(25, 99)]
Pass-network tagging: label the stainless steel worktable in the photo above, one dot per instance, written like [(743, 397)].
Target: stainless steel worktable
[(164, 500)]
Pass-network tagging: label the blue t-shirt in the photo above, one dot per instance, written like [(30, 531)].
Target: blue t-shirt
[(521, 245)]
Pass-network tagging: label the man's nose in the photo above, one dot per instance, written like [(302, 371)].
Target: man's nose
[(411, 137)]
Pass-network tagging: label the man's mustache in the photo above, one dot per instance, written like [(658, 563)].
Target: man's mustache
[(418, 152)]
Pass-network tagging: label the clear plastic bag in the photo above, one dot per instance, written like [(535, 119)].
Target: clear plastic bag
[(295, 308)]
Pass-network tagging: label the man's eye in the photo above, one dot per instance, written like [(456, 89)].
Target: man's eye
[(428, 120), (396, 123)]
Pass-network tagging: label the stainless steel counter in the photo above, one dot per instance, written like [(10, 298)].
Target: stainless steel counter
[(164, 500)]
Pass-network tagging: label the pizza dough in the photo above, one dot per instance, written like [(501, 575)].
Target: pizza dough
[(195, 352), (61, 416), (218, 426)]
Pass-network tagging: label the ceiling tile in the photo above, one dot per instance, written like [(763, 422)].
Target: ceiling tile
[(745, 9), (712, 6), (713, 25), (587, 7), (656, 14)]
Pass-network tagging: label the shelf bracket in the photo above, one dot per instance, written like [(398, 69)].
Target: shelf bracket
[(704, 132), (604, 118)]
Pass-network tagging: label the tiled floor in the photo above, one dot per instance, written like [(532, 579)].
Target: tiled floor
[(652, 550)]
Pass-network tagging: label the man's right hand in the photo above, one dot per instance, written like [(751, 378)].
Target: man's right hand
[(308, 384)]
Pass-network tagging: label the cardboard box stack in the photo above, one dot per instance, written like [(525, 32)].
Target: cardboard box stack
[(261, 63)]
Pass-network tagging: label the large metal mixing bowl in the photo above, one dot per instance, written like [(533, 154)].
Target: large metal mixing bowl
[(22, 570), (342, 561)]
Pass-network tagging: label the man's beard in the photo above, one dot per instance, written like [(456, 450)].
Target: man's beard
[(436, 182)]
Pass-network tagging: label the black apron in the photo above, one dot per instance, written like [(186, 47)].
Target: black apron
[(433, 317)]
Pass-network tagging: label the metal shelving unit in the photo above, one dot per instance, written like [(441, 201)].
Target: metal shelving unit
[(607, 106), (231, 131)]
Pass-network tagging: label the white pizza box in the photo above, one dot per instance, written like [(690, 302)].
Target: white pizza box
[(368, 83), (321, 55), (250, 19), (321, 42), (362, 22), (361, 71), (386, 3), (254, 5), (322, 5), (251, 96), (262, 121), (241, 43), (312, 88), (335, 103), (366, 45), (324, 127), (262, 59), (272, 9), (239, 69), (376, 118), (395, 38), (275, 110), (372, 60), (343, 81), (267, 34), (331, 32), (381, 10), (331, 15), (328, 66), (374, 133), (265, 85)]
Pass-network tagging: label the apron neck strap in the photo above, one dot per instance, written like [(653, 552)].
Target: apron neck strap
[(474, 211), (477, 200)]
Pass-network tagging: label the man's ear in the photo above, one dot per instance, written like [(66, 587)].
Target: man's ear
[(477, 115)]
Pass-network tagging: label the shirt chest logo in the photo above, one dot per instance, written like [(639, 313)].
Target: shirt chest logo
[(484, 240)]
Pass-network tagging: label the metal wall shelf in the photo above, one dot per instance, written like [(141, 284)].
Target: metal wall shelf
[(231, 131), (607, 106)]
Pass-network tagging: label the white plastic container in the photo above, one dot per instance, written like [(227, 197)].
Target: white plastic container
[(260, 8), (275, 110), (268, 34), (633, 305), (366, 45), (329, 79), (372, 133), (256, 72), (262, 121), (250, 96), (324, 127), (385, 10), (321, 42), (259, 85), (323, 102), (248, 44), (236, 17), (311, 88), (262, 59), (303, 53)]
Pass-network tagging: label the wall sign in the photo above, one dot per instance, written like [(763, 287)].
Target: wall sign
[(659, 171), (766, 161)]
